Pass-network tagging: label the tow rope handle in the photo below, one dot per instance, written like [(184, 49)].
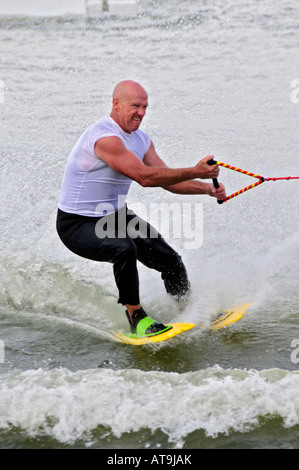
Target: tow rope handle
[(215, 180), (260, 178)]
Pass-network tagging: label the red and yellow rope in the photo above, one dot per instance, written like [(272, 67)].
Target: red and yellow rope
[(230, 167), (260, 178)]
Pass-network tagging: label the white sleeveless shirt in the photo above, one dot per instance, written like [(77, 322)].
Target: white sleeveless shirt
[(89, 186)]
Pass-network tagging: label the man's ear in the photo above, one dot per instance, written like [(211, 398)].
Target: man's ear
[(115, 103)]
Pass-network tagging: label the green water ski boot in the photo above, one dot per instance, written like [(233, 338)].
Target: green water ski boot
[(142, 325)]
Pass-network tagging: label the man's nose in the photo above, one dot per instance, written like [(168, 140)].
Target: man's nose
[(141, 111)]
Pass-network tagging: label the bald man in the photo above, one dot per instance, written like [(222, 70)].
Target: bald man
[(93, 220)]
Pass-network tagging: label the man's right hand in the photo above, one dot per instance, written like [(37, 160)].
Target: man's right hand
[(218, 193)]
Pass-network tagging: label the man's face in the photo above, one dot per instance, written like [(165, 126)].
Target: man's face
[(131, 109)]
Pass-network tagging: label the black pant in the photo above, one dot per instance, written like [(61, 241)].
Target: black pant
[(123, 238)]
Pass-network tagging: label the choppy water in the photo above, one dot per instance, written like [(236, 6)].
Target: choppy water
[(219, 79)]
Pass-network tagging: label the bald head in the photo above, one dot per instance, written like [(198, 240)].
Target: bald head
[(129, 103), (126, 89)]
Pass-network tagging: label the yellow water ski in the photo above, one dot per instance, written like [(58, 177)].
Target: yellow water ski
[(228, 317), (176, 329), (221, 320)]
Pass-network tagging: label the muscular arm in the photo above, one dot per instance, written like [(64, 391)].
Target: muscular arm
[(191, 186), (153, 171)]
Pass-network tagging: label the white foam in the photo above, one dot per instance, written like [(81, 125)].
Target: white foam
[(70, 405)]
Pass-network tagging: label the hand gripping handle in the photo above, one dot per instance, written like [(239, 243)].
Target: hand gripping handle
[(215, 181)]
